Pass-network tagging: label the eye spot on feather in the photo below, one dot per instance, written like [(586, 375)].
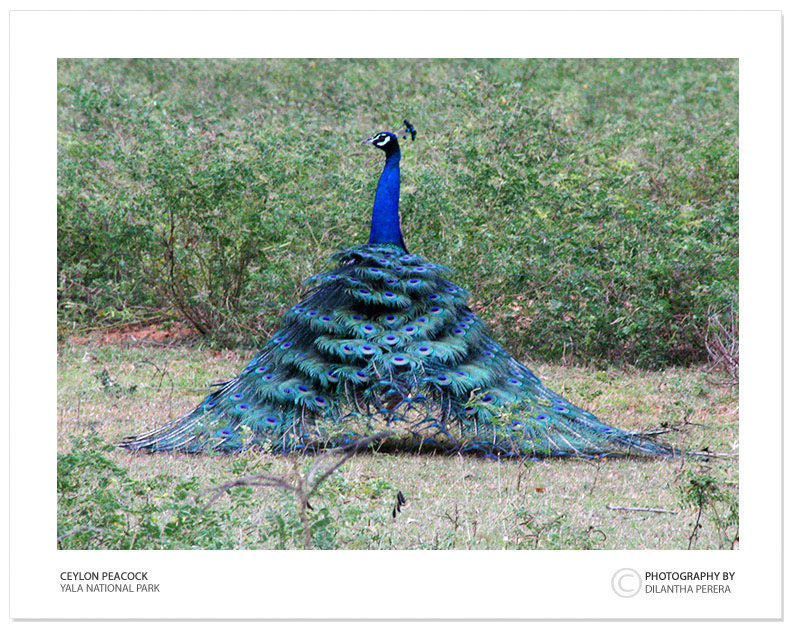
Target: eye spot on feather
[(361, 375), (326, 318), (209, 404), (268, 377), (320, 401), (458, 331), (541, 417), (375, 270), (516, 425), (470, 411), (391, 339), (489, 354), (299, 309), (333, 276), (235, 397), (368, 328), (382, 261), (424, 350), (312, 313), (260, 370), (487, 398), (410, 329), (399, 360), (390, 318), (422, 320), (443, 379), (434, 297), (347, 349), (225, 433), (435, 309), (302, 388), (367, 349), (278, 339), (560, 408), (420, 269), (389, 295), (460, 373), (414, 281), (286, 345), (391, 280), (513, 381), (406, 258), (468, 320), (364, 291), (331, 375), (357, 318), (271, 420), (242, 407)]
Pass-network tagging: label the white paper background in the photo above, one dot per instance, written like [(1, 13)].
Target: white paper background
[(481, 584)]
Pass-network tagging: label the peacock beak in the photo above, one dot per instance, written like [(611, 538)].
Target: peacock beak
[(369, 140)]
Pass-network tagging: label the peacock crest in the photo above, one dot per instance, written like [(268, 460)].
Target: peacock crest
[(385, 341)]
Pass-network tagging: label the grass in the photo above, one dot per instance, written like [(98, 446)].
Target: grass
[(110, 498)]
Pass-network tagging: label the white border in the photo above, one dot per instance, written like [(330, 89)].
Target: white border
[(501, 584)]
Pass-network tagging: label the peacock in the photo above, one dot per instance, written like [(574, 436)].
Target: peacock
[(384, 341)]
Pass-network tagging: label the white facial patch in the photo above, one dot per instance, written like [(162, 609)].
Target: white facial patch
[(383, 142)]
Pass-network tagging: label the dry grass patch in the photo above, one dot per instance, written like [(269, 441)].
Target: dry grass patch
[(116, 499)]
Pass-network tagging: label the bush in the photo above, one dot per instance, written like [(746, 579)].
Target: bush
[(101, 507), (590, 205)]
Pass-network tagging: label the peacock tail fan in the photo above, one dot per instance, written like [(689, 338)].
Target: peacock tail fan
[(385, 342)]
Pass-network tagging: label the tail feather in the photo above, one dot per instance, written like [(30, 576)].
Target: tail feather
[(384, 341)]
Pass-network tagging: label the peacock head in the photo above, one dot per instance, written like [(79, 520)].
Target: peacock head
[(386, 141)]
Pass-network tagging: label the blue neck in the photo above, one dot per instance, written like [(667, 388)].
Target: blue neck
[(385, 214)]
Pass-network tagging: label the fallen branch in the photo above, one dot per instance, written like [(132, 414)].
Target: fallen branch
[(640, 509)]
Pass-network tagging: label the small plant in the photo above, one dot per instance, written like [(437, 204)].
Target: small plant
[(704, 492), (101, 507), (301, 486), (111, 386), (555, 533)]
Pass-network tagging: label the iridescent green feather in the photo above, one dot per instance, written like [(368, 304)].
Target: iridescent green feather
[(367, 345)]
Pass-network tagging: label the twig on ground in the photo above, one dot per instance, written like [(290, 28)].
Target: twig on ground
[(640, 509)]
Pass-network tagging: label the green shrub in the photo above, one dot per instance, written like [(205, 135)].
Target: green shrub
[(101, 507), (590, 205)]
